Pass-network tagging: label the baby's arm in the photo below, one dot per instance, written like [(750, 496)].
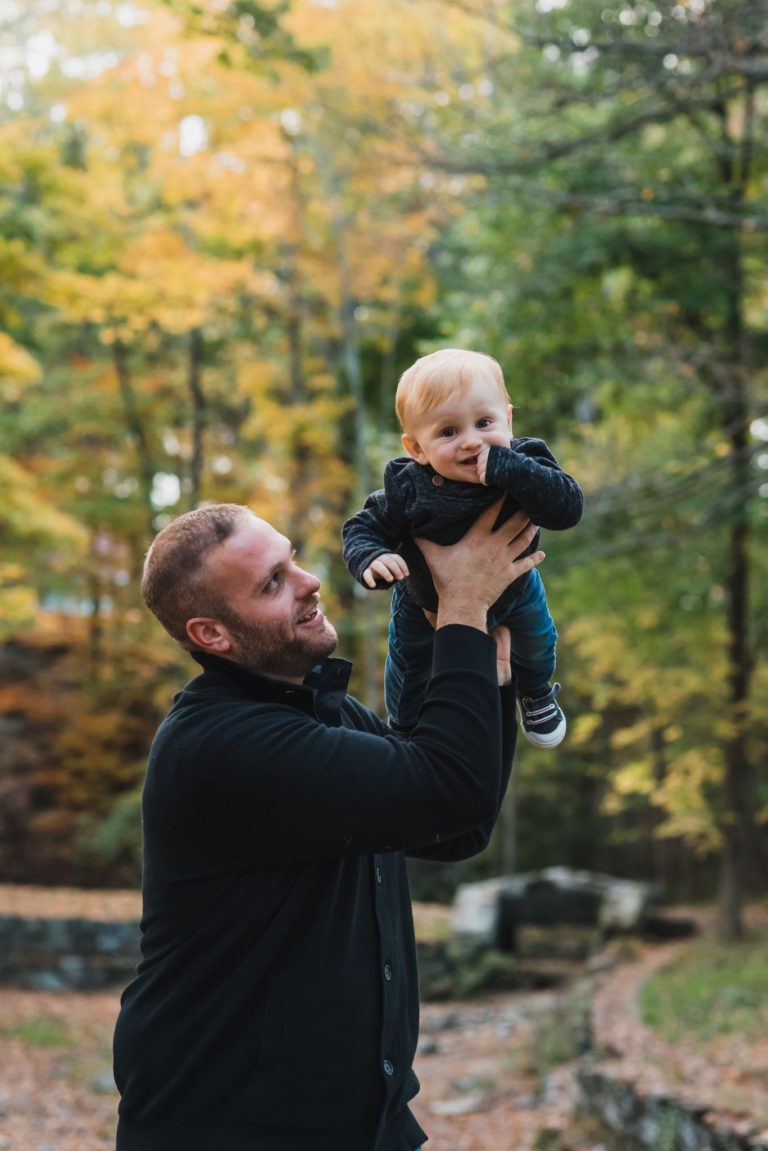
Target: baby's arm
[(370, 538), (529, 471)]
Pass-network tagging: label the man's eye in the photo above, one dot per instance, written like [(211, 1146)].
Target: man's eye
[(273, 582)]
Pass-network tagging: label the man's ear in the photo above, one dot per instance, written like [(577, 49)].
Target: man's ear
[(209, 634), (414, 450)]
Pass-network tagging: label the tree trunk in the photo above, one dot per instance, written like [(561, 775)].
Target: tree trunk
[(507, 829), (738, 826), (197, 395), (95, 625), (297, 393), (353, 370), (146, 467)]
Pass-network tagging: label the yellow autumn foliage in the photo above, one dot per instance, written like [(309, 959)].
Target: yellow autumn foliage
[(28, 514), (17, 369), (18, 606)]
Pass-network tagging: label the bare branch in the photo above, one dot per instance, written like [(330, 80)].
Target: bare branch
[(619, 203)]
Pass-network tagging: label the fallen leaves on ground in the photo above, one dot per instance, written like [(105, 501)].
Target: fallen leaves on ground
[(479, 1089), (482, 1087), (56, 1090), (69, 903), (726, 1075)]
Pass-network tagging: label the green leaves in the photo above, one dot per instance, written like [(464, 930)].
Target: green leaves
[(213, 274)]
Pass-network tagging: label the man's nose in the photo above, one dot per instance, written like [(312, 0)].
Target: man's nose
[(307, 583)]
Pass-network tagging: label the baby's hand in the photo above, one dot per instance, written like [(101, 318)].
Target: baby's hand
[(482, 462), (387, 567)]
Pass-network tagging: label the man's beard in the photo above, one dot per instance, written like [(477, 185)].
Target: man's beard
[(273, 650)]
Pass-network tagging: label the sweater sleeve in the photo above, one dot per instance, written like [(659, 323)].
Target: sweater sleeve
[(529, 471), (371, 532), (474, 841), (262, 784)]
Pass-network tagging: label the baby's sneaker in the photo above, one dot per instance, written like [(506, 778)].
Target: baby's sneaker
[(541, 718)]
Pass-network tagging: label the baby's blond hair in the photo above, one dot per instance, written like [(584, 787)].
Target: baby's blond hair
[(432, 378)]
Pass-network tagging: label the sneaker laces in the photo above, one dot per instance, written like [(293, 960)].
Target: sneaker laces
[(542, 709)]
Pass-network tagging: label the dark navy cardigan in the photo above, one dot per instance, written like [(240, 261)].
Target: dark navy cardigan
[(276, 1002), (416, 501)]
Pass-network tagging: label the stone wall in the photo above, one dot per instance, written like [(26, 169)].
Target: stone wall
[(79, 954), (635, 1121), (67, 953)]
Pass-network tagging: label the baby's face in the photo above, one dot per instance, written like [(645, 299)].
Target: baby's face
[(450, 435)]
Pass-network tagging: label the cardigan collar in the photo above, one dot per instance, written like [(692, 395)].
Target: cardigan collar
[(321, 694)]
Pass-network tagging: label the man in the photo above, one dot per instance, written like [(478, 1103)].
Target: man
[(276, 1004)]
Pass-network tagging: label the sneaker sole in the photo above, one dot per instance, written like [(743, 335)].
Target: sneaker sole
[(551, 739)]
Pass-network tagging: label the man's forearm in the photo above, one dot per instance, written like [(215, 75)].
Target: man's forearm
[(460, 603), (459, 610)]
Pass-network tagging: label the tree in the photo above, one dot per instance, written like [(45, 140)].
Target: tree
[(641, 157), (224, 231)]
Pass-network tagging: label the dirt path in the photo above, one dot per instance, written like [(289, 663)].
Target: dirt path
[(485, 1084), (725, 1076), (477, 1093), (480, 1088), (56, 1090)]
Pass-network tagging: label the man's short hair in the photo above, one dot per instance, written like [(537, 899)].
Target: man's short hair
[(435, 377), (174, 583)]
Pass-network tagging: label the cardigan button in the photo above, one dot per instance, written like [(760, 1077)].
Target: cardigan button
[(388, 1068), (438, 481), (379, 876), (387, 972)]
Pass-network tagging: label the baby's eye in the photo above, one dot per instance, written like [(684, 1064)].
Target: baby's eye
[(485, 422), (447, 431)]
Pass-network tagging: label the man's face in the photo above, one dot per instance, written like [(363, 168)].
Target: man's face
[(269, 606)]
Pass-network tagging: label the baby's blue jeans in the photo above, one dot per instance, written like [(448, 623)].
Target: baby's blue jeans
[(409, 657)]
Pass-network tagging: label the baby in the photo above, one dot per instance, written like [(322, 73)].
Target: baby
[(457, 429)]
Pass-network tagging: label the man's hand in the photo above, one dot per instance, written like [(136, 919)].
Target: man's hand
[(470, 575), (503, 653), (388, 567)]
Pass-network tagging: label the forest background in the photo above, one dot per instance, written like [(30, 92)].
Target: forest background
[(227, 226)]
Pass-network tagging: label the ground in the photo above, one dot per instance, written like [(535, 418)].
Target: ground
[(495, 1071)]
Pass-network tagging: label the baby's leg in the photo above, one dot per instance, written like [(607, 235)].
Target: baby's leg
[(408, 668), (533, 639)]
